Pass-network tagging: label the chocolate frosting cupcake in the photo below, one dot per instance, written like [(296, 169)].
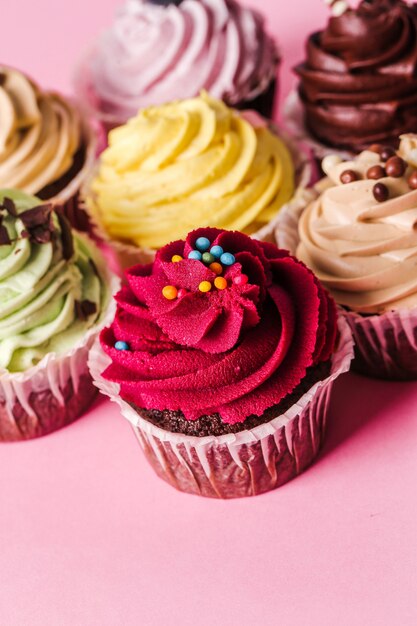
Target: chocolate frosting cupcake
[(359, 83)]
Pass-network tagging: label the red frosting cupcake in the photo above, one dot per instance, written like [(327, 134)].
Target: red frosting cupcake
[(222, 354)]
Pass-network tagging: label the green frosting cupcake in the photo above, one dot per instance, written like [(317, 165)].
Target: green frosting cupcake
[(52, 287)]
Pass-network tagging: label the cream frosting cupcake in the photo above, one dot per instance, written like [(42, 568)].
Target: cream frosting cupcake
[(360, 238), (156, 51), (187, 163), (46, 146), (55, 295)]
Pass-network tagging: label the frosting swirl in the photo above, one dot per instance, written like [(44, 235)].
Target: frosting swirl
[(359, 82), (51, 282), (364, 250), (152, 54), (235, 348), (190, 162), (41, 142)]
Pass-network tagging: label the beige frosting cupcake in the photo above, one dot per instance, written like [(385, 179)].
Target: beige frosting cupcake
[(46, 147), (359, 235)]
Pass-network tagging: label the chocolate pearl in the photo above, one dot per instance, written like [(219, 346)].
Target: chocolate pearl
[(386, 153), (380, 192), (376, 147), (348, 176), (412, 181), (375, 172), (395, 167)]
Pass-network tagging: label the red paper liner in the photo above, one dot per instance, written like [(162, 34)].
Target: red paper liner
[(53, 393), (386, 343), (242, 464)]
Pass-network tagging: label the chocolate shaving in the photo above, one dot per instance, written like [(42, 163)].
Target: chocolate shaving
[(66, 236), (38, 223), (10, 207), (4, 236), (84, 309)]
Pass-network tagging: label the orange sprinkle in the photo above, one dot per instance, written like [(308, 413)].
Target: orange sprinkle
[(176, 258), (204, 286), (220, 282), (169, 292), (217, 268)]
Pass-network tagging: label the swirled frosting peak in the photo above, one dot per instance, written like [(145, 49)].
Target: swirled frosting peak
[(191, 162), (41, 142), (359, 82), (360, 235), (51, 282), (153, 54), (231, 336)]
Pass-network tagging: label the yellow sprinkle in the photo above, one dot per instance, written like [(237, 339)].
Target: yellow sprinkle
[(204, 286), (170, 292), (176, 258)]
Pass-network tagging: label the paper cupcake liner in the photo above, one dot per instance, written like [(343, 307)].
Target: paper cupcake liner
[(293, 113), (385, 344), (53, 393), (126, 255), (236, 465)]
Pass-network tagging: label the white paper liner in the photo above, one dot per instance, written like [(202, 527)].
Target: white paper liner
[(385, 344), (293, 114), (22, 394), (241, 464), (126, 255)]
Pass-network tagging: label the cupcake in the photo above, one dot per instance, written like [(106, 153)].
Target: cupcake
[(223, 367), (359, 236), (55, 295), (358, 84), (161, 50), (192, 162), (46, 147)]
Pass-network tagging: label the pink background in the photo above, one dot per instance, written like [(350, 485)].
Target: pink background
[(90, 537)]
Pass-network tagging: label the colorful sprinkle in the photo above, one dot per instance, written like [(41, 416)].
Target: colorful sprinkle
[(220, 283), (204, 286), (182, 292), (170, 292), (217, 268), (202, 244), (241, 279), (227, 258), (121, 345), (208, 258), (195, 255), (217, 251), (176, 258)]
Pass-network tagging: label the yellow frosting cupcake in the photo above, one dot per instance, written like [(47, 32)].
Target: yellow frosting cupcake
[(188, 164)]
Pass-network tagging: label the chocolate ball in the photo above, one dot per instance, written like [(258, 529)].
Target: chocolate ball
[(380, 192), (412, 181), (375, 172), (395, 167), (376, 147), (348, 176), (386, 153)]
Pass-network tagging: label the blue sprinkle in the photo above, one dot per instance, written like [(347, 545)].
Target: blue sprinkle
[(217, 251), (121, 345), (202, 244), (227, 259), (195, 255)]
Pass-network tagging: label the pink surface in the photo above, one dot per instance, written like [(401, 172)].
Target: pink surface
[(89, 536)]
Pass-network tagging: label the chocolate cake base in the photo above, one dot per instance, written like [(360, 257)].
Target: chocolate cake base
[(264, 104), (207, 425)]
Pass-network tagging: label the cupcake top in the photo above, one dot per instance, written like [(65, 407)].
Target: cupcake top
[(359, 80), (220, 326), (41, 137), (360, 235), (156, 51), (51, 282), (191, 162)]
